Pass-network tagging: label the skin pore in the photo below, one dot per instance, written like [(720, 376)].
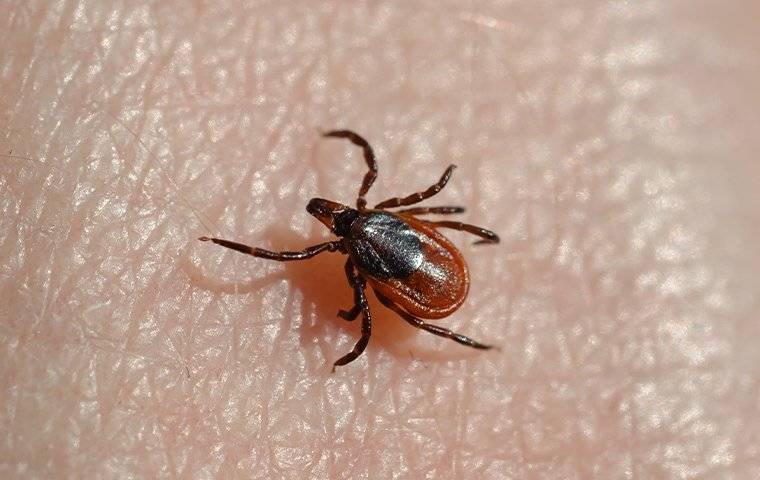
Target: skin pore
[(611, 145)]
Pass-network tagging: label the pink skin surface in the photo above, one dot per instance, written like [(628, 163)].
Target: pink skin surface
[(612, 145)]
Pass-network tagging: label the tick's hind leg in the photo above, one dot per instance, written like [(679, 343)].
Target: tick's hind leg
[(434, 329), (279, 256), (419, 196), (369, 157), (487, 235), (361, 300)]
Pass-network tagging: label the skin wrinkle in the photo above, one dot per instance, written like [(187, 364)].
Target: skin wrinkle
[(610, 144)]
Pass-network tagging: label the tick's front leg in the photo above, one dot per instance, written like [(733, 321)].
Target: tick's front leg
[(369, 157), (279, 256)]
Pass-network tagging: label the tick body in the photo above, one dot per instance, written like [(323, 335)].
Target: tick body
[(413, 269), (410, 263)]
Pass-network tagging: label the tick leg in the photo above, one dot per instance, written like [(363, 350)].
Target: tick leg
[(426, 210), (369, 157), (366, 331), (419, 196), (434, 329), (487, 235), (357, 283), (350, 315), (279, 256)]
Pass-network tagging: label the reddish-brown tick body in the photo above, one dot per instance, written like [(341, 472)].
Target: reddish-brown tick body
[(439, 282), (413, 269)]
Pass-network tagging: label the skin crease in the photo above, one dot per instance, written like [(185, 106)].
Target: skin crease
[(611, 145)]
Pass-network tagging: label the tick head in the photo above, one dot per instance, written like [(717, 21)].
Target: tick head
[(336, 216)]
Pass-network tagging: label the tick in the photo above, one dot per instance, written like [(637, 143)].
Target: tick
[(412, 268)]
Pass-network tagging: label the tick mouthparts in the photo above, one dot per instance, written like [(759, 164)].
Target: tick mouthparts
[(317, 207)]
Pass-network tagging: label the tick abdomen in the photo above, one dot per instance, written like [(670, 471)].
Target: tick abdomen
[(410, 263)]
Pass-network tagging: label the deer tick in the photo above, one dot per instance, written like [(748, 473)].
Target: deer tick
[(412, 268)]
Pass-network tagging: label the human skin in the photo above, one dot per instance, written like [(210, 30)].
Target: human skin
[(611, 145)]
